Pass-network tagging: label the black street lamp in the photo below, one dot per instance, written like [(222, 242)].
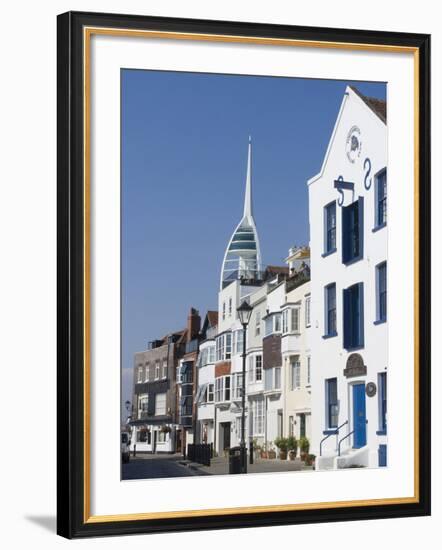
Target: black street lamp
[(244, 313)]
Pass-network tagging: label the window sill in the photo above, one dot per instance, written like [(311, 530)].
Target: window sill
[(377, 227), (381, 432), (327, 336), (380, 322), (328, 253), (355, 348), (352, 261)]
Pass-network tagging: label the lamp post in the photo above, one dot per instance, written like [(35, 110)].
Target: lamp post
[(244, 313)]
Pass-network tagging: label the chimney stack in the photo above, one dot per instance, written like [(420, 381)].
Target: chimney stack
[(193, 324)]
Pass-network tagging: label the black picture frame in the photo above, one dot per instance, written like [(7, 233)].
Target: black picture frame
[(71, 391)]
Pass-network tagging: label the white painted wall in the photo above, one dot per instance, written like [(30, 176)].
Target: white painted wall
[(297, 401), (328, 355)]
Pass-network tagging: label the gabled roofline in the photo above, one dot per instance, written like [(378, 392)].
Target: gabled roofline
[(335, 128), (368, 102)]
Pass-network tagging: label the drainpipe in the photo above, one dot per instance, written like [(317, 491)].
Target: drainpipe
[(214, 426), (265, 423)]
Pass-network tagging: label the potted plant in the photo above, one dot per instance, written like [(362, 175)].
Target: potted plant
[(282, 444), (310, 460), (292, 446), (271, 452), (165, 429), (257, 450), (264, 452), (304, 447)]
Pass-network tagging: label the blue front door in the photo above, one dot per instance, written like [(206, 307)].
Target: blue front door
[(359, 416)]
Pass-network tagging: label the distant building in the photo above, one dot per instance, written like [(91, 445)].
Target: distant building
[(187, 382), (348, 224), (205, 395), (154, 418), (163, 414)]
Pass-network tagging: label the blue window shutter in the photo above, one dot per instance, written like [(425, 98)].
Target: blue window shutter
[(345, 233), (361, 226), (346, 320), (361, 313)]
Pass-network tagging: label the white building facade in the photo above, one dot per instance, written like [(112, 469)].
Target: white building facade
[(348, 334)]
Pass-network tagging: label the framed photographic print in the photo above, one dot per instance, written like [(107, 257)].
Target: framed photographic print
[(243, 274)]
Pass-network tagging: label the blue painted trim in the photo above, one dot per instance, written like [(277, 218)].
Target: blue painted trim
[(355, 348), (377, 227), (331, 431), (326, 336), (332, 251), (379, 322), (381, 432), (353, 260)]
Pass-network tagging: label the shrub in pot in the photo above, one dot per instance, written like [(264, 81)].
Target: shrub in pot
[(282, 444), (304, 447), (264, 452), (292, 446), (310, 460), (271, 452)]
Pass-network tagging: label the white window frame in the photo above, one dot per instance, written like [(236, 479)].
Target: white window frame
[(143, 399), (157, 370), (210, 395), (295, 369), (224, 347), (307, 312), (238, 341), (179, 376), (258, 356), (146, 372), (236, 388), (140, 375), (164, 369), (257, 322), (157, 411), (309, 373), (221, 389), (279, 371), (258, 416)]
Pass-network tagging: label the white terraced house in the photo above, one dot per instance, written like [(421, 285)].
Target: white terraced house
[(348, 242)]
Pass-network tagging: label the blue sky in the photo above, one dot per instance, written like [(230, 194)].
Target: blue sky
[(184, 154)]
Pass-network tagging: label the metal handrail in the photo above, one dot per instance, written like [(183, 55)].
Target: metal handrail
[(334, 432), (345, 437)]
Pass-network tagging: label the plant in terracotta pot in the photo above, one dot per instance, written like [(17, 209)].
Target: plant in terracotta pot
[(304, 447), (292, 446), (310, 460), (271, 452), (282, 444), (264, 452)]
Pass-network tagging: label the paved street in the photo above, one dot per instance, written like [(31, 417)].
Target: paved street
[(155, 466), (163, 466)]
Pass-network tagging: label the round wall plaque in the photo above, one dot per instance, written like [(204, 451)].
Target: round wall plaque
[(370, 389)]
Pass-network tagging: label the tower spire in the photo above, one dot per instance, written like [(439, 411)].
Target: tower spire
[(248, 194), (242, 259)]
